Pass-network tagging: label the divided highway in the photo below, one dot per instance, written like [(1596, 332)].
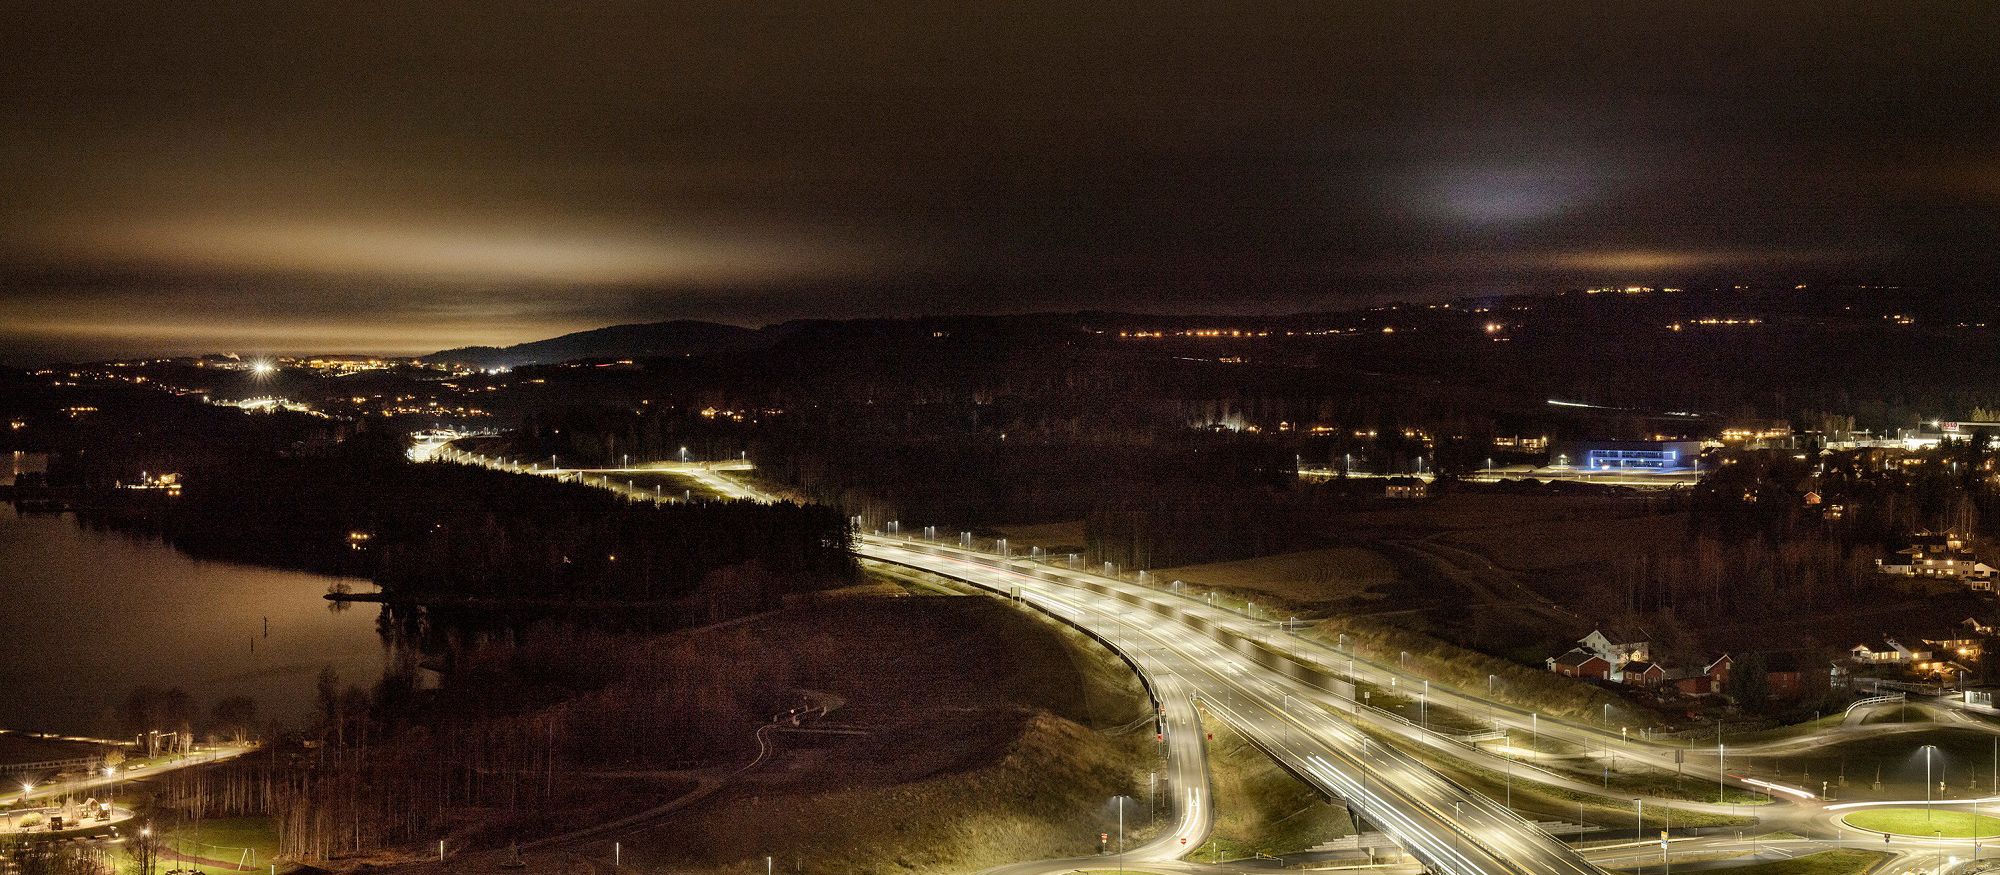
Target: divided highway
[(1285, 704), (1280, 703)]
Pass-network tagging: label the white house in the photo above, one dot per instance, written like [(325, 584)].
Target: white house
[(1615, 652)]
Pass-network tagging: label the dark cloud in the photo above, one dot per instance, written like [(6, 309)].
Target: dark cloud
[(378, 175)]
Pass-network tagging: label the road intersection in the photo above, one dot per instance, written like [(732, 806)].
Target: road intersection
[(1294, 696)]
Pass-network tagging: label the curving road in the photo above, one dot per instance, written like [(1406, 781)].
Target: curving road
[(1287, 694)]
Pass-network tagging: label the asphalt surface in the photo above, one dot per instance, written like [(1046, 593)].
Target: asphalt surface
[(1289, 694)]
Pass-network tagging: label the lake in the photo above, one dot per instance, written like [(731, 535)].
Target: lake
[(92, 614)]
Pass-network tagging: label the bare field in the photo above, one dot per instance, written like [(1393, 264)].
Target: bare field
[(1308, 577), (1457, 511), (1550, 544), (969, 733), (1048, 536)]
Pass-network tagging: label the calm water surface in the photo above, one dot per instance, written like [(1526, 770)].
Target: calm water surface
[(87, 615)]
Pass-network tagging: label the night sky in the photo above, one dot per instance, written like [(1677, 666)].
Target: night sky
[(407, 176)]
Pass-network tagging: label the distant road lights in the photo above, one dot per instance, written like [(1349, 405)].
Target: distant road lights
[(684, 454)]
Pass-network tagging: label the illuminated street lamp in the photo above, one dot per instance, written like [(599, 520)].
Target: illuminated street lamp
[(1928, 748)]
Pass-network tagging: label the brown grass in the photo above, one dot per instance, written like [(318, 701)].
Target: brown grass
[(992, 736), (1303, 578), (1048, 536), (1260, 807)]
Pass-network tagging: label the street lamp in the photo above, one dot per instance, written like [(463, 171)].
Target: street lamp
[(1640, 831), (1927, 780), (1718, 767)]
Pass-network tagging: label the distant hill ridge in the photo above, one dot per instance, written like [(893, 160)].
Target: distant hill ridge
[(679, 337)]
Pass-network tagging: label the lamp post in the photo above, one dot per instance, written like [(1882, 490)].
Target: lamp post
[(1121, 835), (1927, 781), (1640, 830), (1718, 766)]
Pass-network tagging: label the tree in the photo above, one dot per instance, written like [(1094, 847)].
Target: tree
[(329, 697), (149, 711), (144, 848), (235, 715), (1750, 682)]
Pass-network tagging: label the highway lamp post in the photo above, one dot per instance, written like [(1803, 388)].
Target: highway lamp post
[(1718, 766), (1640, 829), (1121, 835), (1927, 781)]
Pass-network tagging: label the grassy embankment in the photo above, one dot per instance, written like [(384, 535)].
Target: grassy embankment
[(675, 486), (1350, 580), (991, 735), (251, 842), (1260, 807), (1950, 823), (1543, 802), (1843, 861)]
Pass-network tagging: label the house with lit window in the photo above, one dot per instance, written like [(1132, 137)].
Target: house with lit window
[(1947, 556), (1890, 652), (1618, 646)]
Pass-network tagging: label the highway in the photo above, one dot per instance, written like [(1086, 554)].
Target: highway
[(1294, 697), (1189, 650), (1280, 704)]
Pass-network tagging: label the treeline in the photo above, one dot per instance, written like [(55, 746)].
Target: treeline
[(507, 748), (464, 532), (1709, 580)]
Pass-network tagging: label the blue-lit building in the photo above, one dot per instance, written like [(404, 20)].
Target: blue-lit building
[(1629, 455)]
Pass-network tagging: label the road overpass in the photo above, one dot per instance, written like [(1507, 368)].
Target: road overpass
[(1289, 706)]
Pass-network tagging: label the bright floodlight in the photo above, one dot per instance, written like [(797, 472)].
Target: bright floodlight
[(263, 368)]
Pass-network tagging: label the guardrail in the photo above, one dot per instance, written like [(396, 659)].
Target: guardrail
[(64, 765), (1894, 698)]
